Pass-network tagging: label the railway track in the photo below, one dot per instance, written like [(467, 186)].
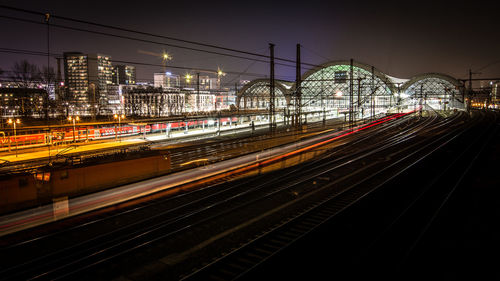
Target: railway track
[(250, 255), (387, 238), (184, 149), (145, 225), (175, 221)]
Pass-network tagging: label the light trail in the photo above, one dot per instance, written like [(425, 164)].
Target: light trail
[(37, 216)]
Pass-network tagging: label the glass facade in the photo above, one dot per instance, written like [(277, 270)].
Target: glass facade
[(256, 95), (334, 85), (433, 90), (330, 88)]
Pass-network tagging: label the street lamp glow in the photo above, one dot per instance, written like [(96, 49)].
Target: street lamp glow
[(74, 119), (220, 73), (17, 121), (119, 117), (188, 78), (338, 94), (10, 121), (166, 57)]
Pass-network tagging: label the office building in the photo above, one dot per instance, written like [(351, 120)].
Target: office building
[(124, 75), (86, 78)]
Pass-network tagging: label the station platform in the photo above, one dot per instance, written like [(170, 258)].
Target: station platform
[(45, 151)]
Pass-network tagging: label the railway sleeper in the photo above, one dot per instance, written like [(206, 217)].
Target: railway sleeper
[(286, 236), (225, 270), (236, 266), (294, 232), (278, 241), (215, 277), (255, 256), (308, 224), (244, 260), (315, 219), (299, 229), (270, 246), (266, 252)]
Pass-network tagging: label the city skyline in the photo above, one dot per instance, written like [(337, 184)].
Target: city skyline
[(223, 140), (399, 40)]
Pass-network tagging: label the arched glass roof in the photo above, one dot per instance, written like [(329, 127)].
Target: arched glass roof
[(431, 84), (330, 85), (332, 81), (256, 94), (434, 87)]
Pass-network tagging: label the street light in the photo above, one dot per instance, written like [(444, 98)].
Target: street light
[(119, 117), (219, 75), (74, 119), (219, 85), (166, 57), (17, 121)]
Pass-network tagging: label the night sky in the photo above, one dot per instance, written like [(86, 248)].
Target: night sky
[(401, 39)]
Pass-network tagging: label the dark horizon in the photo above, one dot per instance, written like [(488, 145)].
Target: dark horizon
[(399, 40)]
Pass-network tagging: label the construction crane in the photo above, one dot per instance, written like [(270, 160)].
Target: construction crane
[(165, 57)]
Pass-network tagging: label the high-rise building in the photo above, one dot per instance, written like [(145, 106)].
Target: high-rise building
[(124, 75), (100, 71), (87, 77), (76, 75)]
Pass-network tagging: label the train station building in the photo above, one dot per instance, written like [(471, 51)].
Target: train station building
[(333, 86)]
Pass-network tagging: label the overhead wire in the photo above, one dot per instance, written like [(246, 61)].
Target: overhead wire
[(140, 63), (316, 53), (37, 53), (150, 34), (147, 41), (135, 39)]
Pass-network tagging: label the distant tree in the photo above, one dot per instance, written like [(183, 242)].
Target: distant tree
[(26, 74), (47, 77)]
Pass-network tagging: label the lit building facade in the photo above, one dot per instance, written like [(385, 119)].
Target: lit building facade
[(166, 80), (495, 95), (116, 99), (124, 75), (200, 101), (21, 102), (86, 78), (208, 83), (154, 102), (175, 94), (76, 76)]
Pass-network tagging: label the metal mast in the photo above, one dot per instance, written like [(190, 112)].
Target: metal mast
[(271, 89), (298, 92)]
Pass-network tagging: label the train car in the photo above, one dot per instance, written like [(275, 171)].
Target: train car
[(23, 140), (96, 132), (35, 137)]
